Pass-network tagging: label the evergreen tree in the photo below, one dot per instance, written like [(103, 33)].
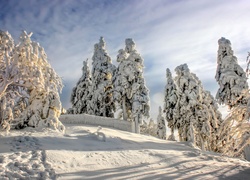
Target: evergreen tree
[(161, 126), (198, 118), (131, 94), (29, 82), (101, 97), (170, 101), (80, 93), (234, 133), (230, 76)]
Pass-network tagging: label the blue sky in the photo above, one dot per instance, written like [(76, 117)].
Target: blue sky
[(167, 33)]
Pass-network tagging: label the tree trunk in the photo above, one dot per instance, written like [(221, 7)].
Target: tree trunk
[(137, 125), (124, 110), (171, 136)]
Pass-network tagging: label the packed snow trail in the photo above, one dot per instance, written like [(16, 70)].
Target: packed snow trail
[(81, 153)]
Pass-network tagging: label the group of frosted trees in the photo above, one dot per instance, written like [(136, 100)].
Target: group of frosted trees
[(188, 107), (29, 86), (93, 93), (109, 89), (29, 94), (193, 112)]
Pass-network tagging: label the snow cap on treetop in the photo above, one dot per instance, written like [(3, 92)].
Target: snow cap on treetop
[(224, 41), (102, 43), (130, 45), (182, 67), (168, 73), (25, 37)]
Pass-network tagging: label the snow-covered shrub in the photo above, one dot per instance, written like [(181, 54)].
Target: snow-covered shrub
[(80, 93), (234, 132), (161, 126), (101, 97), (131, 94), (26, 75), (43, 111)]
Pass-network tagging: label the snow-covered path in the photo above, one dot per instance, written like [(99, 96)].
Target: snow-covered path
[(80, 154)]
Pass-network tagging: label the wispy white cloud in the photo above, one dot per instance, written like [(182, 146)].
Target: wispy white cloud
[(167, 34)]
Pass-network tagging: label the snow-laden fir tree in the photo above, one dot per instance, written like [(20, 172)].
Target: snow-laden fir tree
[(131, 94), (230, 76), (161, 126), (170, 101), (80, 93), (30, 84), (197, 115), (234, 132), (101, 97)]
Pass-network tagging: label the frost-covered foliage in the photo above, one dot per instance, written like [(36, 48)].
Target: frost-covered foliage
[(149, 128), (230, 76), (234, 132), (131, 94), (101, 98), (170, 101), (8, 68), (43, 111), (197, 117), (161, 126), (80, 93), (26, 75)]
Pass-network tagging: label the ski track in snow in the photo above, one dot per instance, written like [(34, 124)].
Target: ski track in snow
[(81, 154)]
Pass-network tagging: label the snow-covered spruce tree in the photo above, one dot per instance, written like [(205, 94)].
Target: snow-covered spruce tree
[(230, 76), (170, 101), (131, 94), (101, 97), (80, 93), (161, 126), (197, 117), (235, 130), (32, 82)]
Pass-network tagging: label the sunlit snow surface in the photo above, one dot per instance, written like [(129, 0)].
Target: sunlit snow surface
[(81, 154)]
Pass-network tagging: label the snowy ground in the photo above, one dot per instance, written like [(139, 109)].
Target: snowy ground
[(81, 154)]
